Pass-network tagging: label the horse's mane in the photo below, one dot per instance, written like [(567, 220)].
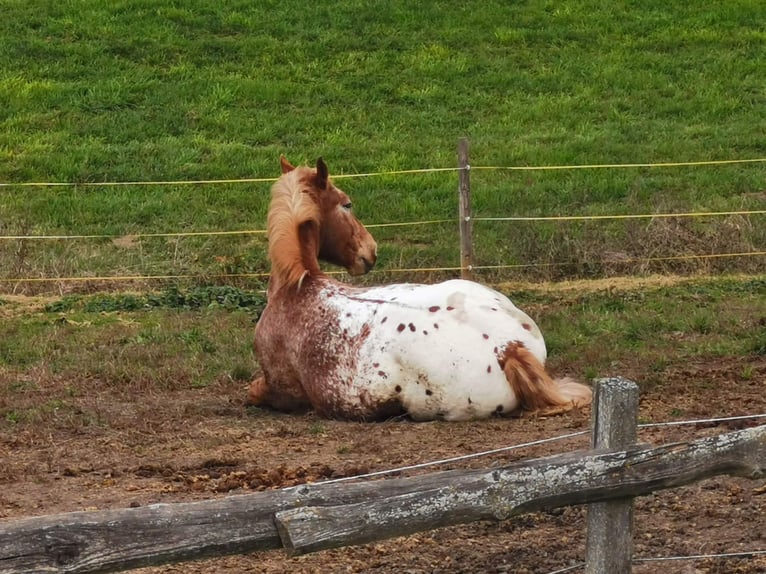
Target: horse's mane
[(292, 206)]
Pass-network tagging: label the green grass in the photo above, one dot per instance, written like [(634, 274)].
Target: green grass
[(659, 326), (142, 91), (162, 350)]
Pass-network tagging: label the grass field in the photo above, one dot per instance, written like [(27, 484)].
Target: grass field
[(160, 91)]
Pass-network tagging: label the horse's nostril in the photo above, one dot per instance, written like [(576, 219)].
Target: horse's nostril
[(367, 264)]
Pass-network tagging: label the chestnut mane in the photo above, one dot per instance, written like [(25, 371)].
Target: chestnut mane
[(293, 208)]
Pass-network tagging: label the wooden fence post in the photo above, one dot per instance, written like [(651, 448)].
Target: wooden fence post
[(466, 224), (609, 544)]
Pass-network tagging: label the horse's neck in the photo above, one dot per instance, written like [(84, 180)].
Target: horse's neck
[(308, 236), (294, 257)]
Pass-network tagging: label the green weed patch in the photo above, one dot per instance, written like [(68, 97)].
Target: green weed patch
[(171, 298)]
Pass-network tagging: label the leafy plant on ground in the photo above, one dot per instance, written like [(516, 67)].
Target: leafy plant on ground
[(171, 298)]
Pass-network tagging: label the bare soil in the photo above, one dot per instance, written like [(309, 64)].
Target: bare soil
[(173, 446)]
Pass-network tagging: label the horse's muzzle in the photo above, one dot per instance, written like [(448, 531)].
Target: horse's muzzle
[(366, 255), (362, 265), (368, 264)]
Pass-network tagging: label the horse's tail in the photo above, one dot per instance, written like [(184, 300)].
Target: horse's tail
[(536, 390)]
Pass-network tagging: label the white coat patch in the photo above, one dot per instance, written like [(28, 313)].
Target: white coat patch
[(435, 348)]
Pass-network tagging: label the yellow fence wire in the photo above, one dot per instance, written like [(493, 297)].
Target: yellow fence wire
[(127, 278), (387, 173), (390, 224)]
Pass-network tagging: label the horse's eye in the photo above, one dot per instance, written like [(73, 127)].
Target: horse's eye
[(347, 205)]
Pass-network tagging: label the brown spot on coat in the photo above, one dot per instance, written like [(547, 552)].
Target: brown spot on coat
[(398, 388), (485, 335), (429, 392), (400, 328), (434, 308), (384, 320), (450, 308), (489, 368), (382, 374), (412, 327), (527, 326)]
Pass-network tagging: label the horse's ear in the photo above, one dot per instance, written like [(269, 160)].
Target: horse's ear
[(322, 173), (285, 165)]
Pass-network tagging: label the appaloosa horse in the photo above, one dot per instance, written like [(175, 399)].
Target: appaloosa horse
[(455, 351)]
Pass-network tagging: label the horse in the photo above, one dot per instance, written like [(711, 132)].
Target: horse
[(451, 351)]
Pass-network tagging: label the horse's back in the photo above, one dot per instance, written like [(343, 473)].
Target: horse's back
[(437, 348), (450, 313)]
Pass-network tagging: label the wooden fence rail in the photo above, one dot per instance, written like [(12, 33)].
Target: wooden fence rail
[(309, 517)]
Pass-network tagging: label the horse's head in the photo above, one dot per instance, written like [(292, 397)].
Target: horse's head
[(343, 240)]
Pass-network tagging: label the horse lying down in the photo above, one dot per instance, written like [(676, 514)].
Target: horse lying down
[(454, 351)]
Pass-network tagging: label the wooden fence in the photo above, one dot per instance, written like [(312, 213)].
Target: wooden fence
[(314, 517)]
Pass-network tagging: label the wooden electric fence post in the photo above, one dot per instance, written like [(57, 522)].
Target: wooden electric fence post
[(466, 225), (609, 545)]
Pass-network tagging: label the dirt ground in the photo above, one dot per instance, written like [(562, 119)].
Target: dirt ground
[(203, 443)]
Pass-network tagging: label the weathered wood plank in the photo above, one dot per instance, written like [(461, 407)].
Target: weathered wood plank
[(453, 498), (609, 543), (115, 540)]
